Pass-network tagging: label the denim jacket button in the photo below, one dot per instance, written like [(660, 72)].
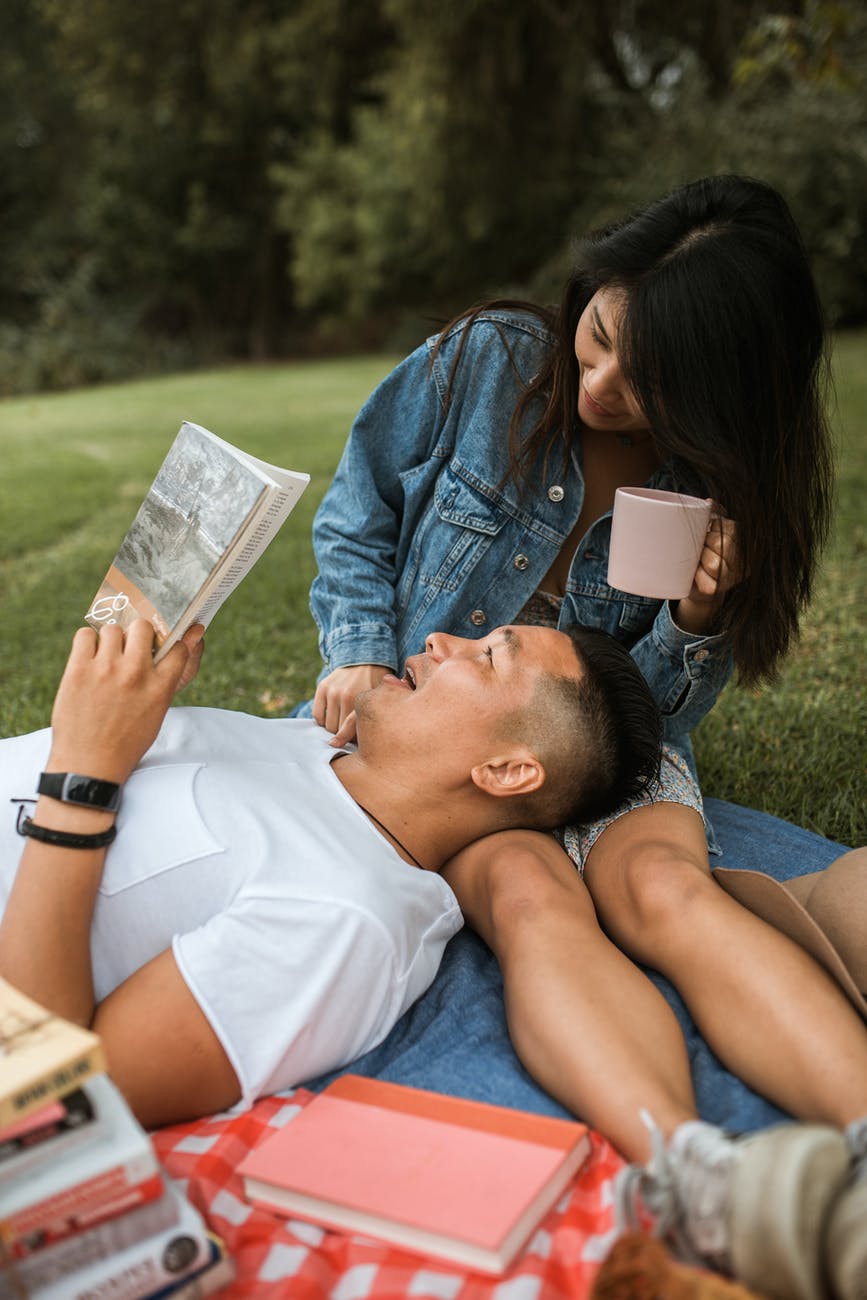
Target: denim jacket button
[(520, 562), (478, 617), (700, 656), (556, 493)]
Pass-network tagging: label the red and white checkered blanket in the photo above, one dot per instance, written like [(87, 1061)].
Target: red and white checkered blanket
[(287, 1259)]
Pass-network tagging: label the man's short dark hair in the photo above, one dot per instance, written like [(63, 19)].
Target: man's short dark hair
[(598, 737)]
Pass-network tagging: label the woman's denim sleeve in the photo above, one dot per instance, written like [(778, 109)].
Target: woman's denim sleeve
[(685, 672), (357, 528)]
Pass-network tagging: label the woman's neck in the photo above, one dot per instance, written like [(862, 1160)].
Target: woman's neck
[(607, 465)]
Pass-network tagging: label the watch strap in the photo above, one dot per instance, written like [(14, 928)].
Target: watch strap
[(87, 791)]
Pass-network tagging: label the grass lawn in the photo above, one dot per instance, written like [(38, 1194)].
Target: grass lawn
[(76, 466)]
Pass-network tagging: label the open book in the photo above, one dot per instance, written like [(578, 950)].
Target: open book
[(208, 516)]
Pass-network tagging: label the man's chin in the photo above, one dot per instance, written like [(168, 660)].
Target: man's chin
[(365, 711)]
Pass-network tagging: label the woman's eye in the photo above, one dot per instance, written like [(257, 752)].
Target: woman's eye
[(597, 337)]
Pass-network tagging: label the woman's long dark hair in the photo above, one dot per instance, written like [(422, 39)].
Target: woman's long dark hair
[(722, 340)]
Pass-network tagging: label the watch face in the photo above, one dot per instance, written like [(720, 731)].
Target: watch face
[(87, 789), (70, 787)]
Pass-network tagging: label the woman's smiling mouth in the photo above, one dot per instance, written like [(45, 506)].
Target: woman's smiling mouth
[(595, 407)]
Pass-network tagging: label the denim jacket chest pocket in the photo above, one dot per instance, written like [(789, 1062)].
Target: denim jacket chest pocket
[(453, 536)]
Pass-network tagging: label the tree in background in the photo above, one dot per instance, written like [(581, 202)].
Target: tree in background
[(39, 141), (195, 179), (459, 170), (794, 112)]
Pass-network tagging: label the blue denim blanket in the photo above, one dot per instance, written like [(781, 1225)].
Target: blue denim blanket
[(454, 1039)]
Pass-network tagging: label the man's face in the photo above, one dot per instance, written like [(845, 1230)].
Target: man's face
[(457, 696)]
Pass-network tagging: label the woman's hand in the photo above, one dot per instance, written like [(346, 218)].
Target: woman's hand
[(112, 698), (334, 701), (719, 569)]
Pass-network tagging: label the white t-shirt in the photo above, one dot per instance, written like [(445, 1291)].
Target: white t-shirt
[(301, 933)]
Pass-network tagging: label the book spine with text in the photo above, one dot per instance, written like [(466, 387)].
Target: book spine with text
[(56, 1081), (166, 1258), (80, 1207), (70, 1122), (217, 1273), (57, 1261)]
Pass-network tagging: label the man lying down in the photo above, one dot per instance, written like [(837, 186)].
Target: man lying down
[(233, 905)]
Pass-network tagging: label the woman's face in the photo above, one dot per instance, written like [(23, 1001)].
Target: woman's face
[(605, 402)]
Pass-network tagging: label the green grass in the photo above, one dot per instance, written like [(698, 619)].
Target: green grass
[(76, 465), (799, 748), (75, 469)]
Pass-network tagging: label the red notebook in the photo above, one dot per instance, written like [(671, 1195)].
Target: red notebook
[(454, 1179)]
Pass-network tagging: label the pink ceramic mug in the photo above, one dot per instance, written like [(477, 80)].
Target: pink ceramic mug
[(656, 540)]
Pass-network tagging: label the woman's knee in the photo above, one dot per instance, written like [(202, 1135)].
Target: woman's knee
[(538, 881), (533, 893), (651, 886), (516, 882)]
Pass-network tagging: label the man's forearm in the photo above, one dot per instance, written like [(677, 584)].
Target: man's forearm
[(108, 710), (45, 931)]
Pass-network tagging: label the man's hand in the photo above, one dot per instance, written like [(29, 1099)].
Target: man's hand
[(110, 704), (334, 701), (112, 698)]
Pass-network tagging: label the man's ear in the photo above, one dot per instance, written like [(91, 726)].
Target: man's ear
[(518, 772)]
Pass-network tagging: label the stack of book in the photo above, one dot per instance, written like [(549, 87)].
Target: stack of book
[(85, 1209)]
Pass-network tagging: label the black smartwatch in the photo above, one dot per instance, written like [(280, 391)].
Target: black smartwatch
[(87, 791)]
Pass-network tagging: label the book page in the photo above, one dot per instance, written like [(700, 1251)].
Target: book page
[(285, 478), (252, 540)]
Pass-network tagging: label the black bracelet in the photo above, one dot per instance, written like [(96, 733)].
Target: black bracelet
[(87, 791), (63, 839)]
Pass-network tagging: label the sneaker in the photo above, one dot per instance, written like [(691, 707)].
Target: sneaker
[(752, 1207), (846, 1239)]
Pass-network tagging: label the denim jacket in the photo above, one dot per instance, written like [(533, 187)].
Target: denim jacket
[(422, 531)]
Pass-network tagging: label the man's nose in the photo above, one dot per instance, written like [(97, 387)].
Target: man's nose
[(441, 645)]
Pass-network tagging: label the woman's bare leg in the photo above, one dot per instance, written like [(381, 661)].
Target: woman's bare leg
[(586, 1023), (598, 1035), (768, 1010)]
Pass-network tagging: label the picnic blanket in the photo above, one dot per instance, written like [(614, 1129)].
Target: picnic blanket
[(286, 1259), (454, 1040)]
